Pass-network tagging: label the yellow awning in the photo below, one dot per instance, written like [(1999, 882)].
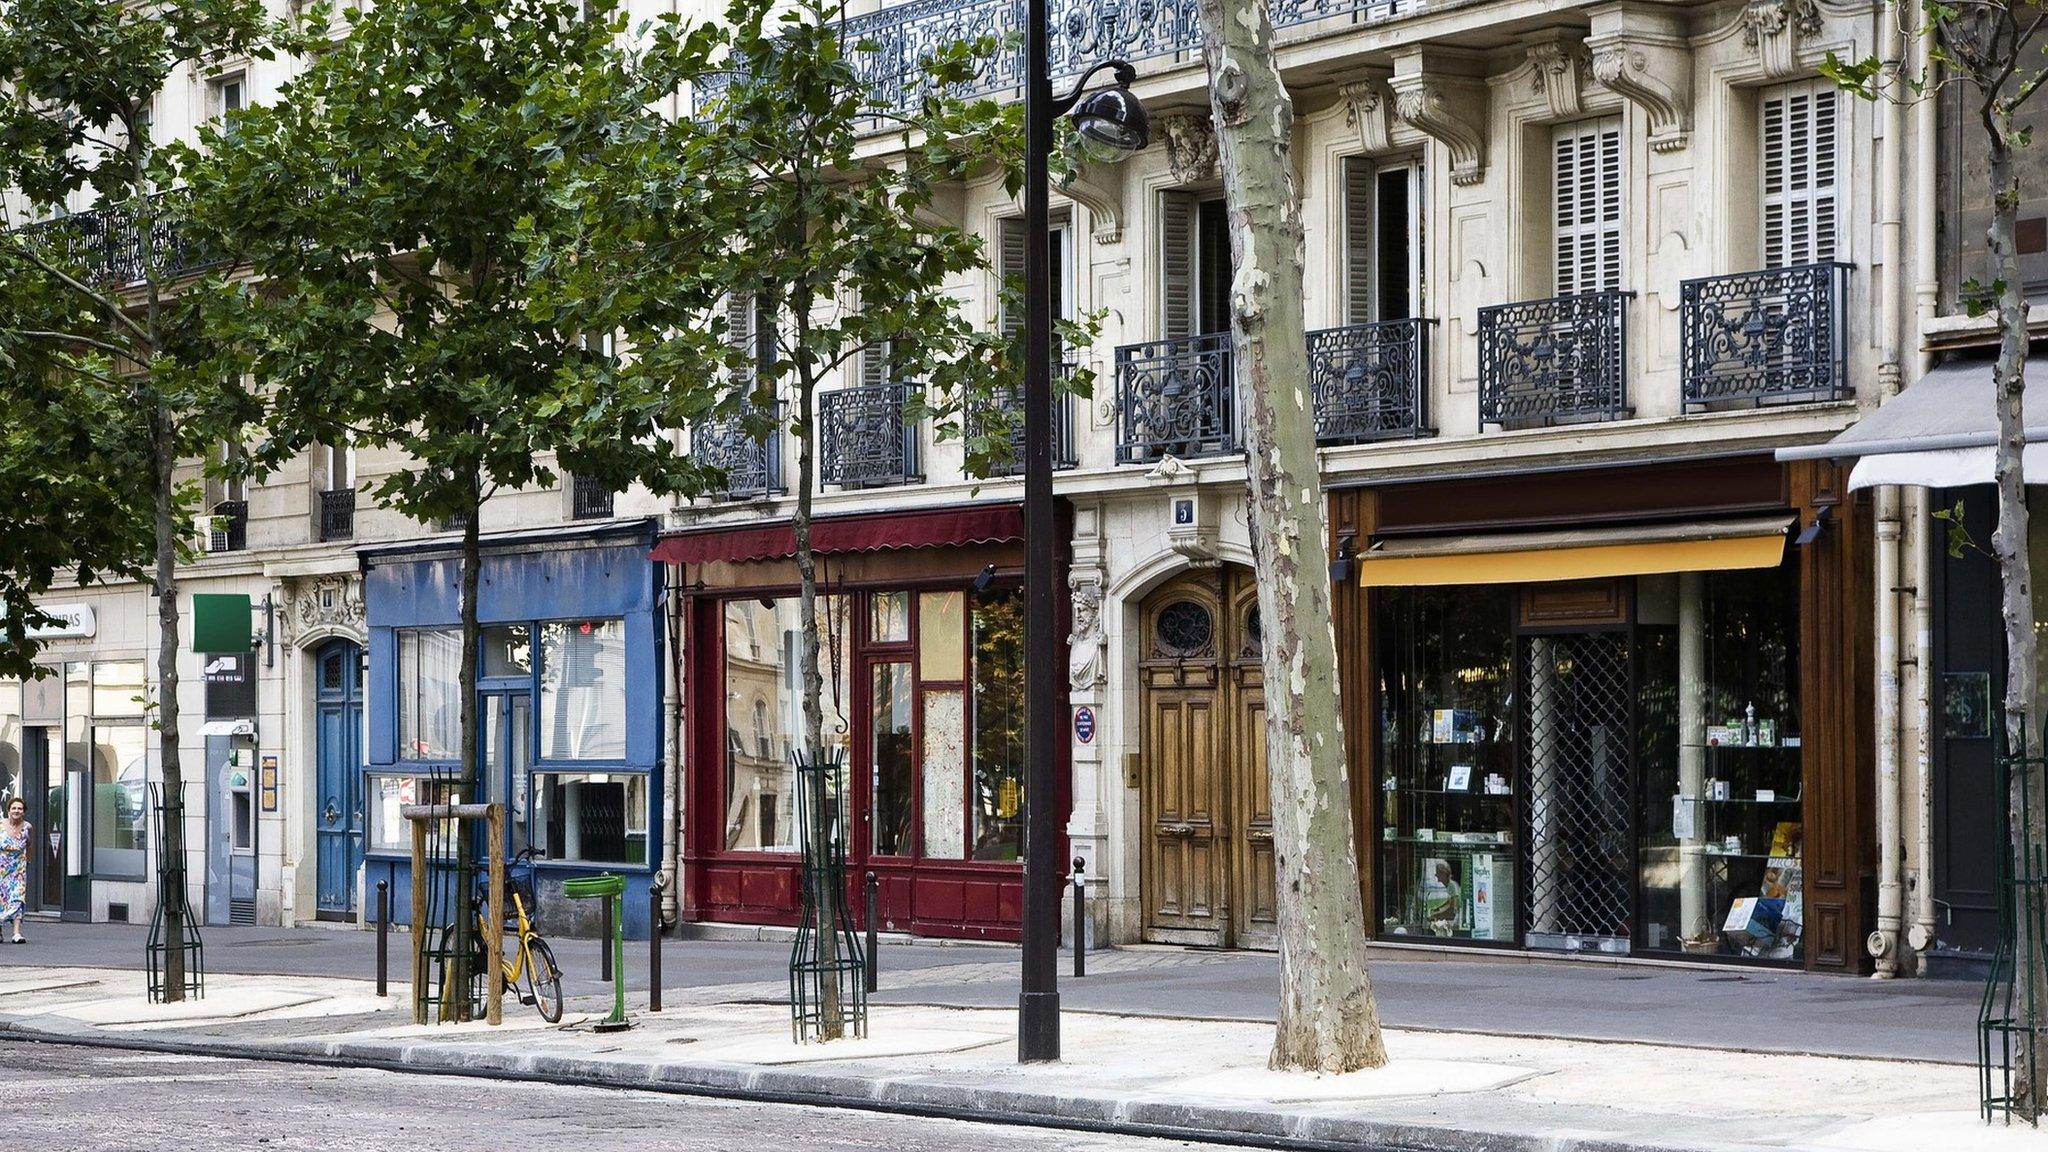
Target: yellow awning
[(1582, 554)]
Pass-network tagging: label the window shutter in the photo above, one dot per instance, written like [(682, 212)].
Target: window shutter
[(874, 365), (1798, 175), (1358, 231), (1177, 288), (1010, 236), (739, 332), (1587, 194)]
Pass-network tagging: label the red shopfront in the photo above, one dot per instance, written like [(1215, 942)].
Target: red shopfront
[(922, 664)]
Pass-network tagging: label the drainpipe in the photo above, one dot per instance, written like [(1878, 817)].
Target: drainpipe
[(1926, 290), (1884, 942), (671, 764)]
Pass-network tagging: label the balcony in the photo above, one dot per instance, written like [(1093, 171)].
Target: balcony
[(1769, 337), (229, 528), (1555, 361), (906, 35), (752, 465), (108, 244), (338, 514), (589, 500), (1011, 400), (1175, 398), (1370, 382), (864, 440)]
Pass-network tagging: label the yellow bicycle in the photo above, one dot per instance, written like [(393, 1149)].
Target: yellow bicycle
[(528, 968)]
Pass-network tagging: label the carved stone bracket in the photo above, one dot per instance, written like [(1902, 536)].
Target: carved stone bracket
[(1774, 28), (1557, 66), (1092, 188), (1449, 110), (1640, 54), (1369, 107), (1190, 146)]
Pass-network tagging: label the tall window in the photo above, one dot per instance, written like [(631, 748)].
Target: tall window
[(230, 95), (1195, 259), (119, 764), (583, 690), (1586, 175), (1798, 166), (340, 461), (764, 679), (429, 694), (1382, 221)]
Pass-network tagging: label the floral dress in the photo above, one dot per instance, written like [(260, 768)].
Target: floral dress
[(13, 870)]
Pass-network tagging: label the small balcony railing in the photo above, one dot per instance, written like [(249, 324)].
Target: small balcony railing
[(338, 514), (864, 440), (752, 465), (1011, 401), (1554, 361), (589, 499), (229, 531), (107, 244), (1758, 338), (1370, 381), (1175, 398)]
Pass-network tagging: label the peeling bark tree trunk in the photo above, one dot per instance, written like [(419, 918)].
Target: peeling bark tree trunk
[(1328, 1020), (2026, 803)]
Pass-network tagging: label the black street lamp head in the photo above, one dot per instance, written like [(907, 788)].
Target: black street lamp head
[(1111, 124)]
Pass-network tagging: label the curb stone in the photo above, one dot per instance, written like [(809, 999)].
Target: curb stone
[(1296, 1131)]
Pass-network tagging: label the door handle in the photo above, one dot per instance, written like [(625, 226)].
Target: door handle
[(1177, 830), (330, 814)]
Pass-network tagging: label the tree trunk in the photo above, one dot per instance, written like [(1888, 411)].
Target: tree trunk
[(825, 922), (1328, 1020), (2009, 543), (171, 896), (475, 789)]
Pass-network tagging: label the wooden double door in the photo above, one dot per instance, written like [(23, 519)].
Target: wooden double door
[(1208, 873)]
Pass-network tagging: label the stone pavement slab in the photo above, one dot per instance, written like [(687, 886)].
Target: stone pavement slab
[(1444, 1091)]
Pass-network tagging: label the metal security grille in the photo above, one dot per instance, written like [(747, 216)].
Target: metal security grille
[(1579, 764)]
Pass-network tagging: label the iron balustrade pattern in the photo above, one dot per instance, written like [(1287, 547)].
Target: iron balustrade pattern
[(1762, 337), (904, 36), (1370, 381), (229, 531), (107, 243), (864, 439), (588, 499), (752, 464), (1011, 401), (1554, 361), (1175, 398), (338, 514)]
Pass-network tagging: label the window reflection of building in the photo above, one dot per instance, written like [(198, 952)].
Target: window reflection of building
[(764, 682)]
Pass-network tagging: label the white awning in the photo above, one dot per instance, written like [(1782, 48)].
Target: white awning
[(228, 728), (1939, 433)]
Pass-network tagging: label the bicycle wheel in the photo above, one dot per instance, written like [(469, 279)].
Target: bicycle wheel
[(445, 948), (545, 978)]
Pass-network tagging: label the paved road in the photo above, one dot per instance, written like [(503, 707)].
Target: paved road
[(68, 1099), (1722, 1007)]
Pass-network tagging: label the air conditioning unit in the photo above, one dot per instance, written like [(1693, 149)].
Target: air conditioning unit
[(210, 532)]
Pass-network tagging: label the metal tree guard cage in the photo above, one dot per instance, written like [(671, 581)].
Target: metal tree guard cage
[(827, 969), (171, 904), (447, 974), (2009, 1020)]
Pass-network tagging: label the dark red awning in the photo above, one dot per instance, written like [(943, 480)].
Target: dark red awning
[(866, 532)]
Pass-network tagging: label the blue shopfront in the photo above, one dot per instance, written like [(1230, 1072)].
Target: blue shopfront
[(569, 706)]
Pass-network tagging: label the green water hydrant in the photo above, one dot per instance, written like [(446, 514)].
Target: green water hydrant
[(608, 886)]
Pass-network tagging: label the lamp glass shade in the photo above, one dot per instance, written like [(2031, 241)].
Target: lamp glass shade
[(1111, 124)]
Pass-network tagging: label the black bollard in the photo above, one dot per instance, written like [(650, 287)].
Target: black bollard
[(873, 970), (654, 947), (383, 937), (604, 937), (1080, 918)]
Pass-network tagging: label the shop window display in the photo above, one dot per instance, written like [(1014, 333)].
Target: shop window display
[(1448, 843), (764, 693), (998, 726), (429, 694), (590, 817)]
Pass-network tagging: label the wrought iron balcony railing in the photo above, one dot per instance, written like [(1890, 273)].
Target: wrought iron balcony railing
[(1371, 381), (338, 514), (1554, 361), (865, 441), (230, 528), (107, 244), (1756, 338), (904, 36), (588, 499), (752, 464), (1011, 400), (1175, 398)]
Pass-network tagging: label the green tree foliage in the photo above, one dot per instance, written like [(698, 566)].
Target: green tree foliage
[(89, 320)]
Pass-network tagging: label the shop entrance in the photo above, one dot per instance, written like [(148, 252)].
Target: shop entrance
[(339, 831), (1208, 871), (1578, 756)]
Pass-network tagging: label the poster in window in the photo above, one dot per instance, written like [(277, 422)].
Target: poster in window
[(1966, 705)]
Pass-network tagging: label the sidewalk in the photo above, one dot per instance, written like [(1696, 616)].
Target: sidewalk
[(1444, 1091)]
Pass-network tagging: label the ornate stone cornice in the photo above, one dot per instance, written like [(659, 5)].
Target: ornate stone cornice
[(323, 604), (1190, 146), (1449, 111), (1774, 28)]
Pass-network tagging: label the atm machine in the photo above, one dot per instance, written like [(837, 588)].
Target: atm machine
[(231, 822)]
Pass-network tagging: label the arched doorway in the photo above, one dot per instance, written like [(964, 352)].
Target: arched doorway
[(338, 771), (1208, 822)]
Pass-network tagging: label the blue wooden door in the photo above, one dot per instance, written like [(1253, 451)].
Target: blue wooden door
[(338, 804)]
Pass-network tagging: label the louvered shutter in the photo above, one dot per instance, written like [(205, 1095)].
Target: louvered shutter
[(739, 332), (1010, 236), (1177, 287), (1586, 191), (1358, 232), (1799, 174), (874, 364)]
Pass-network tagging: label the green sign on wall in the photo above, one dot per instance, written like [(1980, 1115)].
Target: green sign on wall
[(220, 623)]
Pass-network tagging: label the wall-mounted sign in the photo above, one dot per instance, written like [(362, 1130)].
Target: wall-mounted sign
[(67, 622), (266, 781), (1966, 705), (1084, 724)]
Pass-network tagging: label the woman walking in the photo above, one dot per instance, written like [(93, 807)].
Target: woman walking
[(14, 839)]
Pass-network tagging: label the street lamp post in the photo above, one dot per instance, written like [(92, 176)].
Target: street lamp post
[(1111, 124)]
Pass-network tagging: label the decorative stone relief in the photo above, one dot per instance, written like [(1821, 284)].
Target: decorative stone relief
[(1774, 28), (1557, 70), (322, 602), (1085, 671), (1103, 200), (1451, 112), (1369, 107), (1190, 146)]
